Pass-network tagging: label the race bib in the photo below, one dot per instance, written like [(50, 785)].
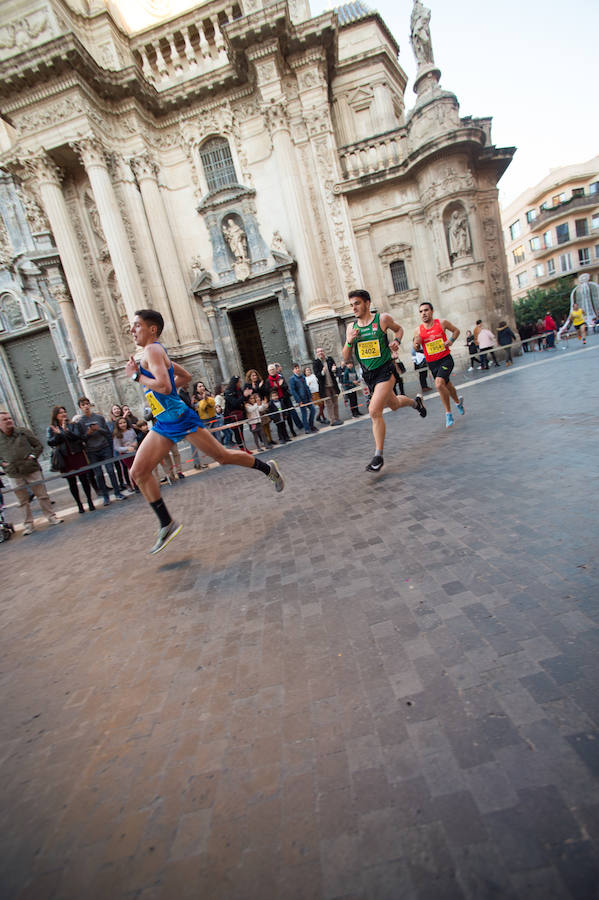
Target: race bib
[(154, 404), (433, 347), (369, 349)]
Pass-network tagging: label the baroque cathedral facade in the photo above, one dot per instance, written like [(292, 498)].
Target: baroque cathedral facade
[(239, 166)]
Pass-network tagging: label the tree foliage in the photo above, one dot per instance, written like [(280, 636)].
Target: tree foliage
[(537, 302)]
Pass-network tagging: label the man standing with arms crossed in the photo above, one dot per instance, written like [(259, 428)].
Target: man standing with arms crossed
[(430, 337), (369, 336)]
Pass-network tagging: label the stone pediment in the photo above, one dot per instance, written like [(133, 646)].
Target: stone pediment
[(230, 194), (393, 251)]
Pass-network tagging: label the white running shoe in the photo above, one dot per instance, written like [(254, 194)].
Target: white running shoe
[(275, 476), (165, 536)]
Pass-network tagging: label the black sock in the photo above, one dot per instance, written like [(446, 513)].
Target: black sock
[(162, 512), (261, 466)]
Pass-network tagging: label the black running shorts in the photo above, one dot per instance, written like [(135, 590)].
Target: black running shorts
[(442, 368), (372, 377)]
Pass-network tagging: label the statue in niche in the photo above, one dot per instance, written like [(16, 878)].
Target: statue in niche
[(420, 34), (460, 243), (279, 245), (236, 239)]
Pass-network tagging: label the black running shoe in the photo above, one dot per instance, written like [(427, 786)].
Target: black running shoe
[(420, 407), (375, 464)]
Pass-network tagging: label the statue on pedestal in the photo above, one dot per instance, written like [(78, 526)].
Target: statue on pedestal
[(420, 34), (460, 243), (237, 241)]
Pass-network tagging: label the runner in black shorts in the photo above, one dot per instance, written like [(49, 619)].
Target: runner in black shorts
[(369, 334), (430, 337)]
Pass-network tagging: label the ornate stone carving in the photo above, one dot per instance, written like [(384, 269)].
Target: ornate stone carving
[(450, 182), (42, 169), (35, 216), (90, 151), (22, 33), (61, 111), (6, 250), (335, 202), (12, 312), (276, 115), (420, 34), (278, 245), (144, 167)]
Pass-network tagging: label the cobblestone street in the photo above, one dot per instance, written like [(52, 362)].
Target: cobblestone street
[(370, 686)]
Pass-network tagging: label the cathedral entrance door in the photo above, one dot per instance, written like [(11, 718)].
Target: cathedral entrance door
[(39, 378), (273, 335), (260, 337)]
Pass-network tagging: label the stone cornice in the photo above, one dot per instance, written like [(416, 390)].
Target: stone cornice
[(66, 55)]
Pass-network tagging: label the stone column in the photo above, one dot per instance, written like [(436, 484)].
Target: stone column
[(92, 156), (67, 312), (157, 294), (145, 172), (218, 342), (48, 179), (305, 247)]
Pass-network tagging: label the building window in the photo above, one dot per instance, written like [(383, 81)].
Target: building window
[(595, 221), (594, 188), (551, 267), (558, 198), (563, 233), (399, 276), (518, 254), (535, 243), (582, 227), (218, 164), (584, 256), (515, 230), (565, 262), (522, 279), (596, 251), (578, 192), (539, 270), (531, 215), (547, 239)]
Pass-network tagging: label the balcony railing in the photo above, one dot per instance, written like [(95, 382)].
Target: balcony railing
[(185, 47), (563, 209), (375, 155)]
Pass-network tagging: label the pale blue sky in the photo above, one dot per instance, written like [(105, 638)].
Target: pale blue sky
[(530, 64)]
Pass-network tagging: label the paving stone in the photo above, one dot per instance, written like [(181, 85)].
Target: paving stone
[(361, 688)]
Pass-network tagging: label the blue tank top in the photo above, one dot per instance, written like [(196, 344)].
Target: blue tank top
[(165, 407)]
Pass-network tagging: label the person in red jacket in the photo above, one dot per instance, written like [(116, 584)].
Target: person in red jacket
[(550, 328), (431, 338)]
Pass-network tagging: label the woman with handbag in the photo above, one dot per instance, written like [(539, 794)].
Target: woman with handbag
[(68, 454)]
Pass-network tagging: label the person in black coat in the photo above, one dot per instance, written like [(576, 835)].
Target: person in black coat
[(235, 408), (325, 370), (68, 437)]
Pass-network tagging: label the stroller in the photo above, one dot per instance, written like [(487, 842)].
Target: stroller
[(6, 529)]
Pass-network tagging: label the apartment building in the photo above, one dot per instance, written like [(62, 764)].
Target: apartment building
[(552, 229)]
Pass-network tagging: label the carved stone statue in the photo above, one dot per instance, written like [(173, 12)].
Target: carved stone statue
[(460, 243), (236, 239), (278, 244), (420, 34)]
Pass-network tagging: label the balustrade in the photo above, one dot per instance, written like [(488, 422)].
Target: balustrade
[(185, 47), (371, 156)]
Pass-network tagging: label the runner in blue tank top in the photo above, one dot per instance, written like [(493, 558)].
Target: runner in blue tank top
[(173, 421)]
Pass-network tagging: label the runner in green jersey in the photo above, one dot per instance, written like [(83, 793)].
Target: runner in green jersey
[(368, 335)]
